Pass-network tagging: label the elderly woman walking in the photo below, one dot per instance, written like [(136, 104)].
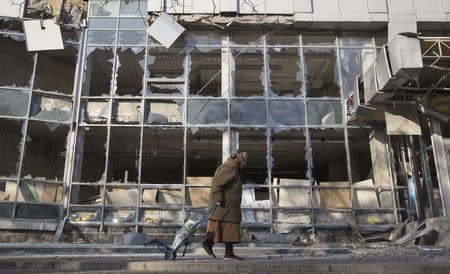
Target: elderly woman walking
[(226, 193)]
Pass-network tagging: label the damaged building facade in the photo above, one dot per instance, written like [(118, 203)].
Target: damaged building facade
[(116, 130)]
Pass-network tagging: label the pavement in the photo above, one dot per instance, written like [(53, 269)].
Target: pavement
[(259, 258)]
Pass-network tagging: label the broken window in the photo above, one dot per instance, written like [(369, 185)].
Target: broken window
[(203, 151), (98, 71), (205, 78), (352, 66), (248, 112), (55, 70), (287, 112), (10, 142), (91, 154), (116, 216), (86, 195), (15, 55), (33, 192), (162, 156), (119, 196), (247, 66), (286, 77), (164, 112), (38, 212), (165, 89), (255, 206), (201, 38), (324, 112), (207, 111), (197, 191), (130, 71), (95, 111), (245, 38), (129, 37), (126, 111), (282, 38), (322, 75), (322, 39), (11, 25), (45, 151), (7, 197), (158, 218), (51, 108), (254, 142), (104, 8), (166, 63), (101, 37), (355, 40), (13, 102), (133, 8), (123, 160)]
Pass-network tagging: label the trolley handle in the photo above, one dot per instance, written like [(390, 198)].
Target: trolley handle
[(205, 217)]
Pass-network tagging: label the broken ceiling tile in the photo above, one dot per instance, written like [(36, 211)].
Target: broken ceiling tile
[(11, 9), (45, 36), (165, 30)]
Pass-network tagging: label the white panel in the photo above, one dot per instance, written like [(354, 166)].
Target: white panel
[(178, 7), (326, 10), (303, 6), (401, 6), (228, 5), (165, 30), (279, 6), (155, 5), (402, 119), (42, 37), (446, 5), (429, 10), (401, 23), (8, 8), (354, 10), (252, 7), (203, 6), (377, 5)]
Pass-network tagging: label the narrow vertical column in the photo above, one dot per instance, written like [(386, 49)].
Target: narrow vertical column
[(380, 164), (441, 164), (227, 142)]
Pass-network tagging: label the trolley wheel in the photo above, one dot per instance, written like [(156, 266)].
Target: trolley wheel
[(170, 255)]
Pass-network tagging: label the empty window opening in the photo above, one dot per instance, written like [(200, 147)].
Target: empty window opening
[(164, 112), (10, 142), (98, 71), (203, 152), (162, 156), (248, 69), (205, 78), (15, 55), (322, 74), (130, 71), (286, 78), (254, 142), (124, 146), (166, 63)]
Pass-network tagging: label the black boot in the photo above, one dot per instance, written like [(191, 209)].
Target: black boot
[(208, 245)]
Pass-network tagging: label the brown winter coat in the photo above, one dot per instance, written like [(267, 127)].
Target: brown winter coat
[(227, 187)]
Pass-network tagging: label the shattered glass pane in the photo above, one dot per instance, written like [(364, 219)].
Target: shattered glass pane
[(104, 8), (324, 112), (132, 23), (85, 215), (10, 142), (160, 89), (130, 37), (123, 161), (101, 37), (319, 39), (203, 151), (37, 212), (254, 142), (248, 70), (352, 66), (52, 108), (102, 23), (126, 111), (13, 103), (162, 156), (355, 40), (282, 38), (13, 25), (117, 216), (55, 70), (285, 71), (207, 111), (15, 55), (286, 112), (130, 71), (92, 154), (133, 8), (289, 156), (328, 155), (166, 63), (40, 193), (86, 195), (71, 35), (98, 71), (164, 112), (95, 111), (322, 73), (205, 78), (199, 38), (248, 112), (45, 151)]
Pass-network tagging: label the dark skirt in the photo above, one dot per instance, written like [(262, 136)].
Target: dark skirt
[(223, 232)]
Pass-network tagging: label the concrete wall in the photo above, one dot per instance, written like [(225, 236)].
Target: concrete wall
[(402, 12)]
